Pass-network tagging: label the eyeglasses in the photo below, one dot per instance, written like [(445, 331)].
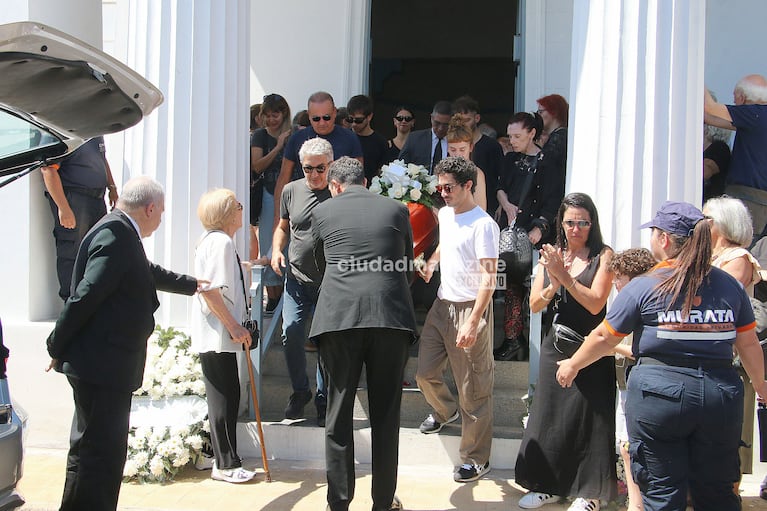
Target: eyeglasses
[(447, 188), (582, 224), (319, 169), (325, 117), (403, 118), (239, 207), (540, 111), (355, 120)]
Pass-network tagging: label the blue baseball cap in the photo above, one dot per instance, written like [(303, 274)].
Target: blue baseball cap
[(677, 218)]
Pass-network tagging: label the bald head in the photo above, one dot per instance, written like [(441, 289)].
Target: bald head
[(750, 90)]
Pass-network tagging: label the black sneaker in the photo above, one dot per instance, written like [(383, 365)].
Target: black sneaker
[(469, 472), (296, 403), (271, 304), (430, 424)]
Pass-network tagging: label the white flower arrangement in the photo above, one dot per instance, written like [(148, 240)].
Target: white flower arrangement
[(156, 453), (405, 182)]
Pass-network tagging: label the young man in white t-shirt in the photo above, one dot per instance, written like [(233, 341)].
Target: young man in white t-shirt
[(459, 326)]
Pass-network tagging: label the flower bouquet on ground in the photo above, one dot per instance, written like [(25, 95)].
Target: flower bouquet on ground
[(169, 426), (411, 184)]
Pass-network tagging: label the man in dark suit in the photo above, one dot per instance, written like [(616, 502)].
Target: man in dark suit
[(99, 341), (364, 315), (428, 147)]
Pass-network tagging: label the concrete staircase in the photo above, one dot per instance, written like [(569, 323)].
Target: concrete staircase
[(303, 440)]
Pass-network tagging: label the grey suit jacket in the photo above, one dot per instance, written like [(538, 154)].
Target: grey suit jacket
[(417, 148), (364, 243)]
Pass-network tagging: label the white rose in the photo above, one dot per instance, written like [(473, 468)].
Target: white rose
[(415, 194), (416, 184), (396, 191), (375, 186)]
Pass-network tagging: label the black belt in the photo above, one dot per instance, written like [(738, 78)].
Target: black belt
[(96, 193), (692, 363)]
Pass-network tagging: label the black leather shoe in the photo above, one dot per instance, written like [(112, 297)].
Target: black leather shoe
[(511, 349), (295, 408), (396, 505)]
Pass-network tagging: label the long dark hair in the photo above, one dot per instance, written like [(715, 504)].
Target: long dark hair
[(693, 263), (583, 201)]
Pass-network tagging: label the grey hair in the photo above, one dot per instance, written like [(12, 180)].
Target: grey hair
[(346, 171), (716, 133), (752, 91), (140, 192), (316, 147), (732, 218)]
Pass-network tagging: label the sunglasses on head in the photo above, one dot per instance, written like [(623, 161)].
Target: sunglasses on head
[(403, 118), (447, 188), (355, 120), (582, 224), (319, 169), (325, 117)]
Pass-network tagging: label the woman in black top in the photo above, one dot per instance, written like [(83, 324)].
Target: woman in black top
[(529, 193)]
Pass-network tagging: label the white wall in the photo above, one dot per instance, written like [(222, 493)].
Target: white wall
[(298, 48), (736, 42)]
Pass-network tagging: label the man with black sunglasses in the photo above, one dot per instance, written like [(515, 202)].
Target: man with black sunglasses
[(322, 119), (374, 147), (427, 147)]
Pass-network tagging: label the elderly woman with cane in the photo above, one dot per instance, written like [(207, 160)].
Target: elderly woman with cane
[(685, 399), (217, 331)]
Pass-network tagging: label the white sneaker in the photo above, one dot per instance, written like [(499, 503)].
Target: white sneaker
[(534, 500), (232, 475), (581, 504)]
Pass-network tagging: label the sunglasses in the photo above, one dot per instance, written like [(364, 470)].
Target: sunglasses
[(447, 188), (319, 169), (403, 118), (582, 224), (355, 120), (325, 117)]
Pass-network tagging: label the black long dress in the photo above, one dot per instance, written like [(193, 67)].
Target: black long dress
[(568, 448)]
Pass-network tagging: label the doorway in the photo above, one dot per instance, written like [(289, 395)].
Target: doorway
[(426, 51)]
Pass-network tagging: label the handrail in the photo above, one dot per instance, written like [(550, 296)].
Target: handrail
[(257, 272)]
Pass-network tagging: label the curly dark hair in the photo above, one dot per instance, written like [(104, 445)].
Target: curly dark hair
[(632, 262), (462, 170)]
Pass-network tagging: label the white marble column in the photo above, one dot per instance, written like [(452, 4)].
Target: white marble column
[(28, 272), (197, 53), (636, 114)]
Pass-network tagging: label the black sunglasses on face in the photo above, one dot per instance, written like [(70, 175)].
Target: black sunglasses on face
[(325, 117), (355, 120), (403, 118), (582, 224), (319, 169)]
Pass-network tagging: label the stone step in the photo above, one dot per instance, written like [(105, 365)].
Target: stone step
[(297, 440)]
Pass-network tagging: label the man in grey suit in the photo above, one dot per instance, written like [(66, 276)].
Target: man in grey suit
[(364, 315), (99, 341), (428, 147)]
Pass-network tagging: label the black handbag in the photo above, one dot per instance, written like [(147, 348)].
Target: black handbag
[(514, 247), (566, 340)]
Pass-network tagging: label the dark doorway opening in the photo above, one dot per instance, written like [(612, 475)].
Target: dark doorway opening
[(427, 51)]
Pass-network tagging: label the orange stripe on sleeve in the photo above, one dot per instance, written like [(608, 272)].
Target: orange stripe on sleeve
[(745, 328), (612, 330)]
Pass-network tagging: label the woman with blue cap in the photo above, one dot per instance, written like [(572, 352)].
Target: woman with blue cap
[(685, 400)]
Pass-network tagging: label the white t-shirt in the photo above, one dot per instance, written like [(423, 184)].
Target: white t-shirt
[(463, 240), (215, 259)]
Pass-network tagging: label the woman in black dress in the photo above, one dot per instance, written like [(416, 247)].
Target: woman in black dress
[(568, 448)]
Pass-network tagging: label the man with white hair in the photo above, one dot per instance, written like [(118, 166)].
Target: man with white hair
[(298, 200), (747, 178), (99, 341)]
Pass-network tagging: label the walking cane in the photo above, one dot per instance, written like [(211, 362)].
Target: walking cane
[(258, 416)]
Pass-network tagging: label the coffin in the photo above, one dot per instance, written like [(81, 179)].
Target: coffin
[(424, 224)]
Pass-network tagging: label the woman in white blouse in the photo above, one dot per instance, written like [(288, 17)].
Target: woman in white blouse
[(217, 331)]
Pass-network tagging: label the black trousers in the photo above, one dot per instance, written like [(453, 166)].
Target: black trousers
[(384, 352), (88, 209), (222, 386), (98, 445)]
